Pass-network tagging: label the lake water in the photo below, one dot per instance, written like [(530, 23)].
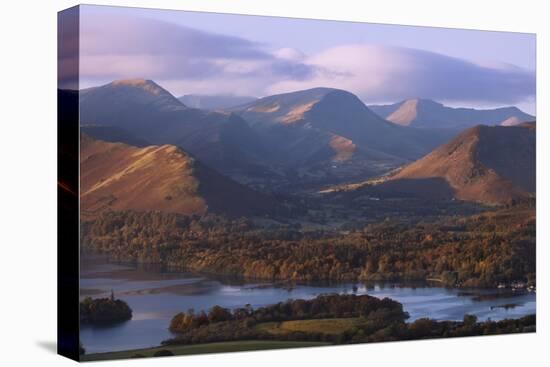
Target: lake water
[(155, 297)]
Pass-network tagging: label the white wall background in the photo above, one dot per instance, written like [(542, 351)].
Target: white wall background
[(28, 182)]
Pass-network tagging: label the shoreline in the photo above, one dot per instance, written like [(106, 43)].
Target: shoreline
[(295, 286), (231, 279)]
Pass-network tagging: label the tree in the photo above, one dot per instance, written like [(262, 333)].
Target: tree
[(218, 314), (470, 319)]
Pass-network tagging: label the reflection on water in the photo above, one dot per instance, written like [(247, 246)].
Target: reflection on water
[(156, 296)]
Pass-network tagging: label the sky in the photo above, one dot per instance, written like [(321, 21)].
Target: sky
[(208, 53)]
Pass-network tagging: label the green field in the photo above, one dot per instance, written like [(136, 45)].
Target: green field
[(325, 326), (224, 347)]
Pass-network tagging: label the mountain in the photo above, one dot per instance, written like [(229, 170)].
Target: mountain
[(482, 164), (214, 102), (426, 113), (113, 134), (150, 113), (117, 176), (291, 119)]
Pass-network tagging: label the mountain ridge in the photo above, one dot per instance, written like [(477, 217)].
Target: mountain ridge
[(427, 113)]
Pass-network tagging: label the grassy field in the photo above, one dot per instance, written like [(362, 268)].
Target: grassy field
[(224, 347), (325, 326)]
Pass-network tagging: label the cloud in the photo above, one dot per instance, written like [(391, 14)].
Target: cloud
[(381, 73), (292, 54), (128, 47), (187, 60)]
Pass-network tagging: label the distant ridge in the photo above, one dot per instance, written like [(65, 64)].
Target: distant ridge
[(427, 113)]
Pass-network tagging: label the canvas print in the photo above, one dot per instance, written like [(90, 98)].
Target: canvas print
[(249, 183)]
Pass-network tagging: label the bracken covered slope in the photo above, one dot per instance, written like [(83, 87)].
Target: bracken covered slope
[(118, 176), (482, 164)]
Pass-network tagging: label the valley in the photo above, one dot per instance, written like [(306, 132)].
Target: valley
[(291, 212), (309, 190)]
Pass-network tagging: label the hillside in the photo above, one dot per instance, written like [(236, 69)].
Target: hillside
[(121, 177), (426, 113), (483, 164)]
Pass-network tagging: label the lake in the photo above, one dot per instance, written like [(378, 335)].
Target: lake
[(156, 296)]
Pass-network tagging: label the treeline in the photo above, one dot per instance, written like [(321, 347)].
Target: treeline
[(104, 311), (221, 324), (426, 328), (321, 307), (376, 321), (481, 250)]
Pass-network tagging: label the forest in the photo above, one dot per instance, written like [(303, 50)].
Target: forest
[(443, 245), (481, 250)]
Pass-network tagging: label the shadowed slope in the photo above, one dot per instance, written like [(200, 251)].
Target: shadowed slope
[(214, 102), (113, 134)]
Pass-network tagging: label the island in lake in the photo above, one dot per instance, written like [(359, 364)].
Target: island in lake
[(292, 200), (104, 311)]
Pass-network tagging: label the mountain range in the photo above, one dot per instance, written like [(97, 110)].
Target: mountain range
[(144, 110), (315, 136), (426, 113), (331, 135), (310, 138)]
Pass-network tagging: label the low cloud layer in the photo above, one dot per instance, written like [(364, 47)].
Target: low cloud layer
[(379, 73), (184, 58), (187, 60)]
